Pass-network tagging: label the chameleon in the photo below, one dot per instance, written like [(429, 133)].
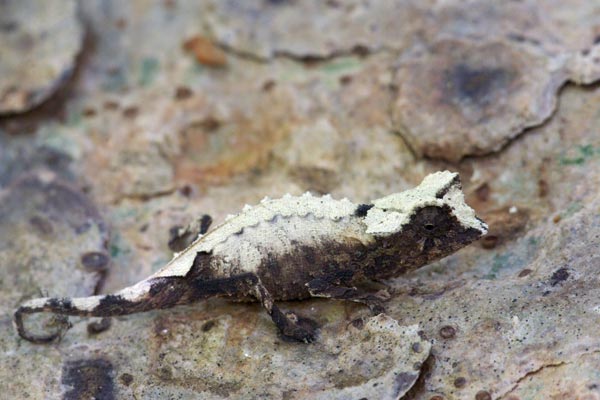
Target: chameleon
[(294, 248)]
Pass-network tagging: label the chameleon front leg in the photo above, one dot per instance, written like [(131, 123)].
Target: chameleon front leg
[(289, 324), (322, 287)]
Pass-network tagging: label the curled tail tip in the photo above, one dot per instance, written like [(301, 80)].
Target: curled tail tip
[(36, 306)]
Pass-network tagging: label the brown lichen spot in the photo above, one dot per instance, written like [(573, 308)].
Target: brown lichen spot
[(95, 260), (130, 112), (208, 325), (88, 379), (126, 379), (489, 241), (483, 192), (210, 124), (358, 323), (89, 112), (447, 332), (543, 188), (111, 105), (205, 52), (556, 219), (186, 190), (460, 382), (96, 327), (483, 395), (41, 225), (345, 80), (121, 23), (524, 272), (269, 85), (504, 225), (182, 93)]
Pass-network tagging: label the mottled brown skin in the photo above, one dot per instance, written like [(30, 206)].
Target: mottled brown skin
[(331, 269)]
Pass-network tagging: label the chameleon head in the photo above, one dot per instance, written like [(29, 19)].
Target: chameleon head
[(432, 215)]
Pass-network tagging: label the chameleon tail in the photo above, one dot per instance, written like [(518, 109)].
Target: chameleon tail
[(130, 300)]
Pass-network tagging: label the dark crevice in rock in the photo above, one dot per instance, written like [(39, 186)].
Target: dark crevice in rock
[(308, 59), (534, 372)]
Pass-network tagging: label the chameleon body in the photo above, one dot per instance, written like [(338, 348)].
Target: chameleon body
[(294, 248)]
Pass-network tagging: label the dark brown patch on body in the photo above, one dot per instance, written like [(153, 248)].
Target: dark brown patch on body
[(89, 379), (432, 233), (64, 303), (163, 293), (286, 275)]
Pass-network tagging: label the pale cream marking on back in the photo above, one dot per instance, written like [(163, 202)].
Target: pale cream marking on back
[(285, 207), (399, 207)]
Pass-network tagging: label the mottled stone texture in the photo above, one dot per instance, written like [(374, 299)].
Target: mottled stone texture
[(39, 42), (355, 98)]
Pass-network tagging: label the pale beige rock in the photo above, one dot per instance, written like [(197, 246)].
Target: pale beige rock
[(487, 71), (39, 42), (463, 97)]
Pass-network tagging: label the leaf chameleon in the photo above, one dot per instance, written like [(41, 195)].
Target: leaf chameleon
[(294, 248)]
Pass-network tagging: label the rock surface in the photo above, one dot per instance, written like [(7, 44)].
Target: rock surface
[(358, 99), (38, 46)]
